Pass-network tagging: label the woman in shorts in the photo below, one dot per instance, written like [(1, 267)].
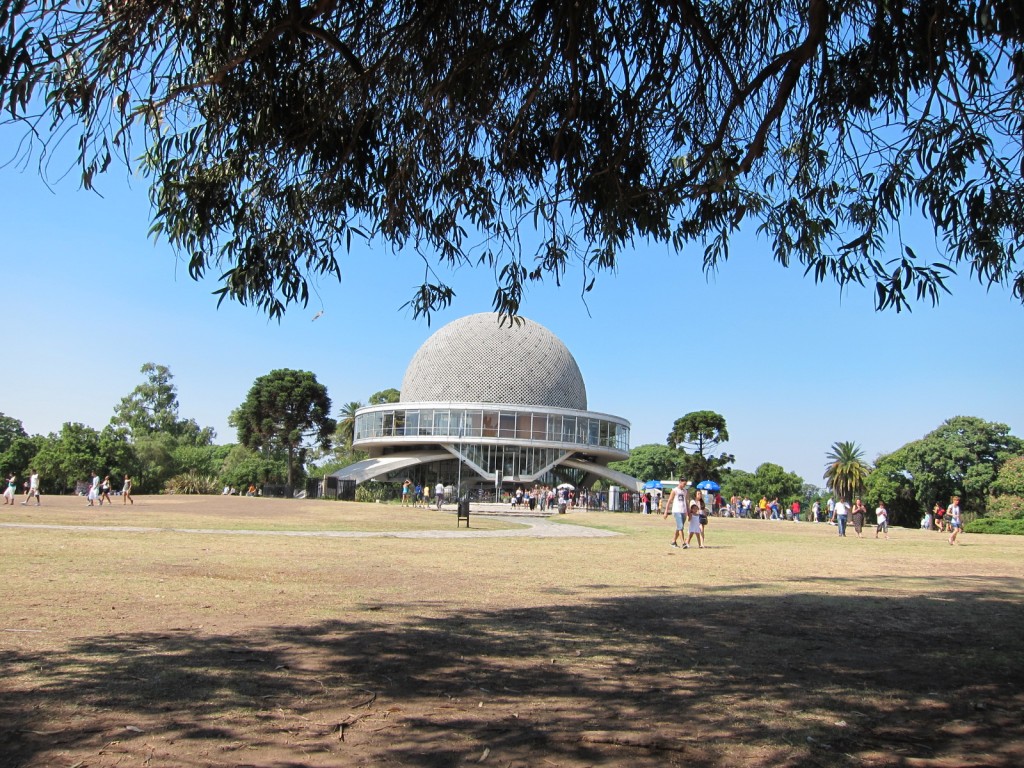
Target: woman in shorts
[(105, 490), (953, 520)]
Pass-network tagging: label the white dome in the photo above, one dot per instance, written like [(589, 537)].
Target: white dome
[(476, 360)]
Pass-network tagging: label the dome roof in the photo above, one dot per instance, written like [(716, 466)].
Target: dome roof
[(474, 359)]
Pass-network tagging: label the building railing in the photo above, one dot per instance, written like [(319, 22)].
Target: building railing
[(565, 427)]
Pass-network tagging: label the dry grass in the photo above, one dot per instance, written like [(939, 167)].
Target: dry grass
[(779, 645)]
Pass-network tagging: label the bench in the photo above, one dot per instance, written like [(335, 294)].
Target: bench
[(463, 513)]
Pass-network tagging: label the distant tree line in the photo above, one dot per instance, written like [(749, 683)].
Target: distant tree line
[(284, 426), (967, 456)]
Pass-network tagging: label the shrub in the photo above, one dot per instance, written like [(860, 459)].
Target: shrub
[(1008, 506), (192, 482), (996, 525), (374, 491)]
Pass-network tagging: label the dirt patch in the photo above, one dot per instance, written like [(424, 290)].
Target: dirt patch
[(778, 645)]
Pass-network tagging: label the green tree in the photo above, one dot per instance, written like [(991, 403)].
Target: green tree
[(16, 448), (152, 406), (391, 395), (283, 411), (701, 431), (10, 430), (1010, 478), (346, 431), (68, 457), (255, 470), (889, 482), (149, 419), (962, 456), (846, 472), (276, 131), (651, 462), (117, 457), (1007, 498), (740, 483), (197, 459), (775, 482)]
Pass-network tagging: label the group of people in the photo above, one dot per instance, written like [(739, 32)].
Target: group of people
[(690, 515), (31, 489), (544, 497), (840, 512), (945, 519), (416, 494), (99, 491)]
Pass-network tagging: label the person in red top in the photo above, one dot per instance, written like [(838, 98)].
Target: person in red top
[(795, 509), (940, 518)]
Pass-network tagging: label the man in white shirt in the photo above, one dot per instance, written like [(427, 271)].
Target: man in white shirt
[(439, 493), (841, 511), (882, 518), (33, 489)]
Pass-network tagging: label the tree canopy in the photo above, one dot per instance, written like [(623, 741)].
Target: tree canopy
[(152, 409), (272, 133), (284, 411), (963, 457), (846, 471), (701, 431), (769, 480), (390, 395), (651, 462)]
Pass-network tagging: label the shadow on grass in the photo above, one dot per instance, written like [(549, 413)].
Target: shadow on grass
[(712, 679)]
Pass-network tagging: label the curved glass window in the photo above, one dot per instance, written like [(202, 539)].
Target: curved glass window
[(522, 426)]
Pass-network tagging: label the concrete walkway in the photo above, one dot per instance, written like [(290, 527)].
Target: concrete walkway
[(537, 528)]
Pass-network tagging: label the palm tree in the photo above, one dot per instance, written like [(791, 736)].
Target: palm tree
[(346, 430), (846, 471)]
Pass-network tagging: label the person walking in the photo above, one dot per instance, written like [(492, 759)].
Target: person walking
[(126, 491), (439, 494), (882, 520), (953, 520), (859, 514), (94, 489), (33, 488), (694, 527), (840, 512), (105, 491), (677, 505), (11, 489)]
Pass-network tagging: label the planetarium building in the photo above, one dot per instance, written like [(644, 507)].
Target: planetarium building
[(485, 405)]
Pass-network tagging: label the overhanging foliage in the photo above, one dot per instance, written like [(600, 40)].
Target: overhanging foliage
[(275, 132)]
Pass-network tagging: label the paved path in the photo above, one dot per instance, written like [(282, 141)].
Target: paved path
[(537, 528)]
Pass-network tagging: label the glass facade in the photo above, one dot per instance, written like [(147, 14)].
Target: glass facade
[(470, 423), (510, 460)]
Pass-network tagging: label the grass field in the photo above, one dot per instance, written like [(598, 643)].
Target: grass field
[(778, 645)]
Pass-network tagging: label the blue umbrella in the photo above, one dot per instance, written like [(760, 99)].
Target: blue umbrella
[(708, 485), (652, 484)]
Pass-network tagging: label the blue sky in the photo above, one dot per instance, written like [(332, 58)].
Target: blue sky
[(793, 367)]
